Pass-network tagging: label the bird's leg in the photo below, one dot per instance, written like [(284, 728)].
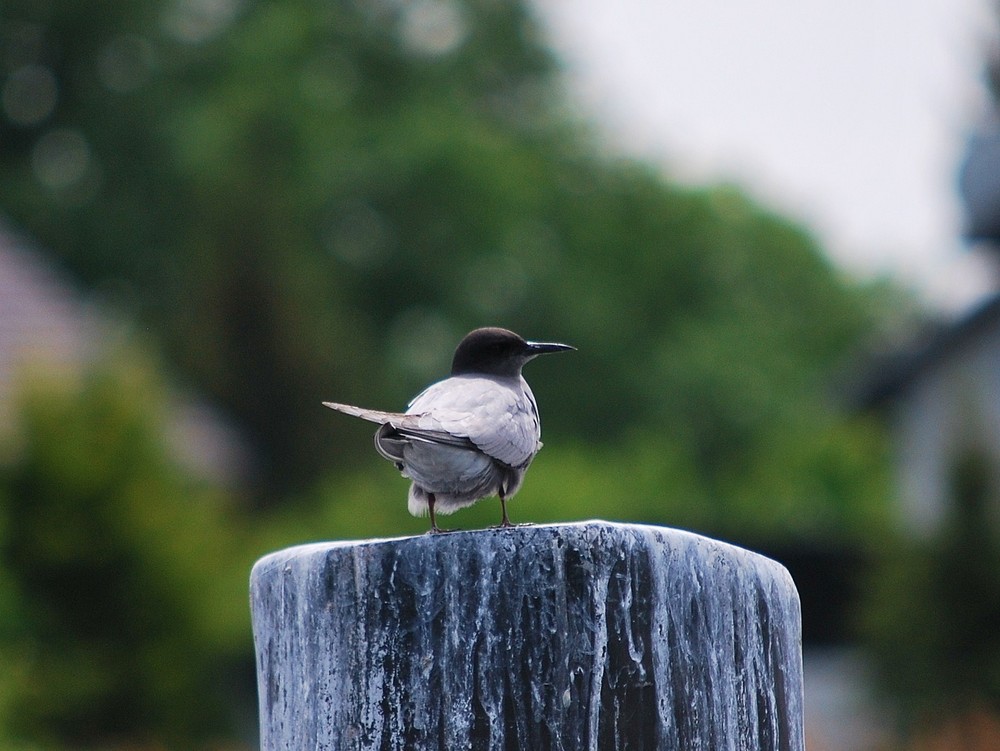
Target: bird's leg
[(430, 510), (435, 529), (505, 522)]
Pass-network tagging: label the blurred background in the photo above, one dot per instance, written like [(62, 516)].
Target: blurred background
[(770, 231)]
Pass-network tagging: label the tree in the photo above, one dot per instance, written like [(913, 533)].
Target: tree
[(228, 161), (314, 199), (293, 193), (114, 631)]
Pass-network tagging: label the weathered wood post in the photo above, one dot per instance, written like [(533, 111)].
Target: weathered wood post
[(576, 636)]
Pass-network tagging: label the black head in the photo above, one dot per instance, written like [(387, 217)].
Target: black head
[(497, 352)]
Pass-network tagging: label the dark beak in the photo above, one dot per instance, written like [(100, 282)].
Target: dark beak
[(544, 348)]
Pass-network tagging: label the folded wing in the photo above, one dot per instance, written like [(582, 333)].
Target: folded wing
[(500, 419), (482, 414)]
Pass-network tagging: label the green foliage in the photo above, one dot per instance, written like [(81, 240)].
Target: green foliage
[(123, 599), (309, 200), (292, 194), (275, 186), (933, 616)]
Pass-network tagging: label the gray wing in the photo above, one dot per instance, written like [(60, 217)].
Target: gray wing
[(499, 418)]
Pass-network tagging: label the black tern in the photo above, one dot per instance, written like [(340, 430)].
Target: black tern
[(471, 435)]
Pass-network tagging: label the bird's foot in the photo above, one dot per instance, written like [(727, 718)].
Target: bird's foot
[(439, 531), (510, 525)]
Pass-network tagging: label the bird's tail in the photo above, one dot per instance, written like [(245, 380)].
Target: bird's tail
[(372, 415)]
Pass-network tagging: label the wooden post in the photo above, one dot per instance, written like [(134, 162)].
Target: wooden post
[(576, 636)]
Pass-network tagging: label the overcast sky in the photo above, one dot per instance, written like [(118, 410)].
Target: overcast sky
[(848, 116)]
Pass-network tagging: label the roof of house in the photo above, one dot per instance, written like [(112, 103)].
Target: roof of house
[(43, 321), (46, 324), (894, 374)]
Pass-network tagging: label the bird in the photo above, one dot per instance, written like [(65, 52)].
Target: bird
[(470, 436)]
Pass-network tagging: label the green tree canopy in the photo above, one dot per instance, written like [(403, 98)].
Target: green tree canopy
[(315, 199), (291, 193), (114, 630)]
